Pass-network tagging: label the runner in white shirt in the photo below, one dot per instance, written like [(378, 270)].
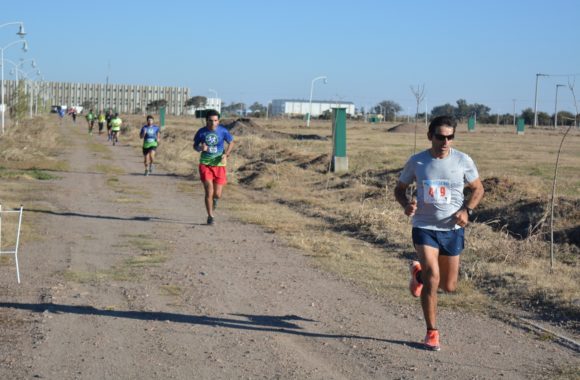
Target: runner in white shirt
[(440, 214)]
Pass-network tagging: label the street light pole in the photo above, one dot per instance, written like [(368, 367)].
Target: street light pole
[(24, 47), (556, 106), (216, 97), (536, 99), (311, 93)]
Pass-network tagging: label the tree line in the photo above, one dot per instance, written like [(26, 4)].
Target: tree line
[(462, 111)]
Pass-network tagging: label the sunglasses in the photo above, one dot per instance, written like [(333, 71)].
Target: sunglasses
[(444, 137)]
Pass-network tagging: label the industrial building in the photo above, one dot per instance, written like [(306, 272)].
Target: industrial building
[(295, 107), (120, 97)]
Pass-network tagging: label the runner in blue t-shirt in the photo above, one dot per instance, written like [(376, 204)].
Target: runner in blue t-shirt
[(209, 140), (150, 135)]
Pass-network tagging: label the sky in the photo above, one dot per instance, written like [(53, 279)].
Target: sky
[(485, 52)]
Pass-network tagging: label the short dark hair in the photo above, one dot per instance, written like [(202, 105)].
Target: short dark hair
[(440, 121), (150, 117), (209, 113)]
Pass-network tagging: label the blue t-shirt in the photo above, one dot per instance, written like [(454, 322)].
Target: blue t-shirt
[(215, 142), (149, 133), (440, 183)]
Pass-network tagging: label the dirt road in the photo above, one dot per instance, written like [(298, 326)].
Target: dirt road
[(127, 282)]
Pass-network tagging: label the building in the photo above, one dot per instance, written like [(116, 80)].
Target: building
[(296, 107), (120, 97)]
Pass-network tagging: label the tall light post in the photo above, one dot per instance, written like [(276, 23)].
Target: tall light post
[(311, 92), (18, 66), (216, 97), (21, 33), (556, 106), (536, 99), (25, 48)]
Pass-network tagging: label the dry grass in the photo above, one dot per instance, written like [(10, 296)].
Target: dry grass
[(350, 223)]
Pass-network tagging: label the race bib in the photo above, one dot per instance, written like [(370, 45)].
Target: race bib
[(437, 191)]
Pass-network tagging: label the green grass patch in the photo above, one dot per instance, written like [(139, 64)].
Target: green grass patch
[(171, 290), (98, 148), (84, 277), (5, 260), (109, 169), (146, 260), (145, 243), (32, 173)]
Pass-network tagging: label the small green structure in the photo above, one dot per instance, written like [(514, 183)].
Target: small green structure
[(471, 124), (162, 117), (520, 126), (339, 159)]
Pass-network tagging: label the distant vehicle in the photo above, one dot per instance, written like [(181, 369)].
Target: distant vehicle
[(67, 109), (56, 109)]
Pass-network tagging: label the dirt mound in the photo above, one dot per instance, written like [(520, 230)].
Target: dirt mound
[(407, 128), (245, 127)]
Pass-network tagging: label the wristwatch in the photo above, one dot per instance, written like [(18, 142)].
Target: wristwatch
[(469, 211)]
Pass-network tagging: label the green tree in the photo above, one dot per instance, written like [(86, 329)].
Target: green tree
[(258, 109), (463, 111), (196, 101), (565, 118), (528, 116), (155, 105), (19, 103), (446, 109), (390, 109), (233, 108), (545, 119)]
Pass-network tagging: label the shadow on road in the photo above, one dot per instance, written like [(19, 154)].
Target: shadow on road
[(131, 218), (269, 323)]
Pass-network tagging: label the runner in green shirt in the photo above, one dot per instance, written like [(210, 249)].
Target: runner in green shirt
[(90, 121), (116, 123)]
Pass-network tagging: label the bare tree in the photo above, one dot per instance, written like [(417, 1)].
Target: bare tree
[(419, 93), (571, 86)]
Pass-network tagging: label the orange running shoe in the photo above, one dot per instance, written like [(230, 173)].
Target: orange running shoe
[(415, 286), (432, 340)]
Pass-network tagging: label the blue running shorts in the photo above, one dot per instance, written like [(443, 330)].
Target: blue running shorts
[(449, 243)]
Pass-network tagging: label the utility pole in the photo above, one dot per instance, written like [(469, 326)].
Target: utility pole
[(556, 106), (536, 99)]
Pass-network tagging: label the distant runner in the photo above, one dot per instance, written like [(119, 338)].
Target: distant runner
[(440, 214), (209, 140), (150, 135), (101, 121), (109, 117), (90, 121), (116, 124)]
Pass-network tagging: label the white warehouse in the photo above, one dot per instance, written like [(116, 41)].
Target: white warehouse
[(295, 107)]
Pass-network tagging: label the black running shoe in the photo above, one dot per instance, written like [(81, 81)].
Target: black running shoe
[(210, 220)]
